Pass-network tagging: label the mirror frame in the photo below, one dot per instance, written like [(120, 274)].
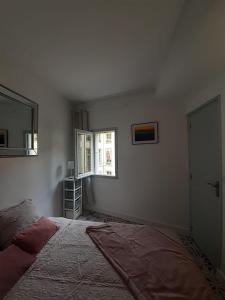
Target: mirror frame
[(18, 152)]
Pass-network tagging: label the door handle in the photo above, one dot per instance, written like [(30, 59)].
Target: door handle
[(215, 185)]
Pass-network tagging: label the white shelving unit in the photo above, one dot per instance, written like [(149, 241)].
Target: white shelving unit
[(72, 198)]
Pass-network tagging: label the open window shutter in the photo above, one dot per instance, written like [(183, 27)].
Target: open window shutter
[(80, 121), (84, 164)]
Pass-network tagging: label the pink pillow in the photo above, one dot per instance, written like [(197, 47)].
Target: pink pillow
[(13, 263), (35, 236)]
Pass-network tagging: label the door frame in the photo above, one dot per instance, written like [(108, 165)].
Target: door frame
[(200, 107)]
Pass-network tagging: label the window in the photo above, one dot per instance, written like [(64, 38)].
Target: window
[(95, 153), (99, 138), (108, 137), (29, 139), (108, 156), (107, 147), (100, 156), (83, 155)]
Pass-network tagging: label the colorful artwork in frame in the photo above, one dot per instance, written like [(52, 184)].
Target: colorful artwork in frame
[(145, 133), (3, 138)]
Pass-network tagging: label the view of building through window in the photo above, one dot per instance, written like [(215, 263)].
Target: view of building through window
[(105, 153)]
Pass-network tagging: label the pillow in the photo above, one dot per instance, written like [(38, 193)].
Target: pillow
[(15, 219), (36, 236), (13, 263)]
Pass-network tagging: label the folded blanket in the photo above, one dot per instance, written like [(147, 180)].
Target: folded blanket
[(152, 265)]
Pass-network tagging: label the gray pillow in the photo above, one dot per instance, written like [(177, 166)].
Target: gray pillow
[(15, 219)]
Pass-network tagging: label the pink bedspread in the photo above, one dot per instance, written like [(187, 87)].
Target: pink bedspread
[(153, 266)]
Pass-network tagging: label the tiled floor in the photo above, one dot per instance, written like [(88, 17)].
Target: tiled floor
[(204, 264), (97, 217), (216, 283)]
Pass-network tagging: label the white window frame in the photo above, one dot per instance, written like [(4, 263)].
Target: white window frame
[(92, 173), (86, 174)]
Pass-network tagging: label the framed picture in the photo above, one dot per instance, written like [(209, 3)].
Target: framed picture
[(145, 133), (3, 138)]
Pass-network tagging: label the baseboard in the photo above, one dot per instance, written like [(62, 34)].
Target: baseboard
[(140, 220)]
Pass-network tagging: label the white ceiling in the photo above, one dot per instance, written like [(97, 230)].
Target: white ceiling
[(90, 49)]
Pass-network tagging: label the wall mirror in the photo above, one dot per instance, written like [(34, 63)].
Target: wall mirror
[(18, 124)]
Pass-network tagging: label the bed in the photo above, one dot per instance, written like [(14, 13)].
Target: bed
[(58, 258), (70, 266)]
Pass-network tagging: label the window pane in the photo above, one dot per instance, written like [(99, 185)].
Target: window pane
[(83, 153), (105, 153), (88, 146), (81, 159), (108, 137)]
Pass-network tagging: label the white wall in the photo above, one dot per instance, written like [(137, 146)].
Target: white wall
[(202, 96), (152, 183), (39, 177)]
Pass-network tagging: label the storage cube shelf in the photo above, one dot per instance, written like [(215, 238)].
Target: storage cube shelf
[(72, 198)]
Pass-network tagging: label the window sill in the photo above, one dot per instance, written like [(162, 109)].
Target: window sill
[(105, 176)]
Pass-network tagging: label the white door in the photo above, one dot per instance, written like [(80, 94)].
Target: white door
[(205, 178)]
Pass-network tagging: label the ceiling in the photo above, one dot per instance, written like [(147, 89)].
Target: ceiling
[(90, 49)]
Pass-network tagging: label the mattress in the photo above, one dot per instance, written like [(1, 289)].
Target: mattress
[(70, 267)]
